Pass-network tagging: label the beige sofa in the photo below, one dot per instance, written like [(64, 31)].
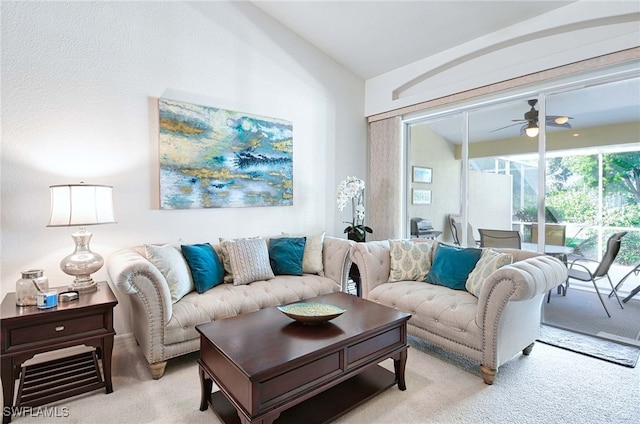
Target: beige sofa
[(165, 329), (491, 328)]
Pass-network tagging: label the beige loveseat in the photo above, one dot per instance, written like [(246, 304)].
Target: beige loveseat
[(491, 328), (165, 328)]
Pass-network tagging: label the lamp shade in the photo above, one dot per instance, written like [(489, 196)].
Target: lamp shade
[(81, 204)]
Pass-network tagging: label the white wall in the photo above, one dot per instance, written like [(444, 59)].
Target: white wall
[(429, 149), (578, 31), (490, 195), (490, 201), (80, 82)]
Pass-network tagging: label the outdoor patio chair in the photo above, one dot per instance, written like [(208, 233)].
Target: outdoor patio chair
[(500, 238), (555, 234), (635, 271), (455, 224), (584, 245), (585, 274)]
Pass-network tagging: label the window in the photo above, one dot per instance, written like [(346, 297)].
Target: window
[(591, 160)]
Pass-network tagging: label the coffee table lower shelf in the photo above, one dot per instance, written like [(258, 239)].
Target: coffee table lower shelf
[(325, 406)]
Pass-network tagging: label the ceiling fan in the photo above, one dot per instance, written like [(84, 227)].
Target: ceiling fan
[(530, 121)]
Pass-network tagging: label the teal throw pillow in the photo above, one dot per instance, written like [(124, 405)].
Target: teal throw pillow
[(206, 269), (452, 265), (286, 254)]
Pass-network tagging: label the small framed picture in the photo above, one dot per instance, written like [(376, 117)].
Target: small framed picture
[(421, 197), (422, 175)]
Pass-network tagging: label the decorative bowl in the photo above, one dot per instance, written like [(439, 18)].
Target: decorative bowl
[(311, 312)]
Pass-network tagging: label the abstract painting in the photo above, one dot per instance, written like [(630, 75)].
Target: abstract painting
[(217, 158)]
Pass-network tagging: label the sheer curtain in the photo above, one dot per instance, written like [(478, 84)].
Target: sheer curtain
[(385, 189)]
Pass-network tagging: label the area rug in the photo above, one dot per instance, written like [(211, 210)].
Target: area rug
[(581, 311), (595, 347)]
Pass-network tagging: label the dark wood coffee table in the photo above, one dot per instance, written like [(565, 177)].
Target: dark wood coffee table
[(269, 367)]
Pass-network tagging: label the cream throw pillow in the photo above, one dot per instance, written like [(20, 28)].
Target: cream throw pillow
[(173, 266), (410, 261), (312, 259), (489, 262), (249, 259), (224, 257)]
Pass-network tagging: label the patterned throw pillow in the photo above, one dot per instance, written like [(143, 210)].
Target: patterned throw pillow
[(410, 261), (489, 262), (173, 267), (249, 259), (224, 257)]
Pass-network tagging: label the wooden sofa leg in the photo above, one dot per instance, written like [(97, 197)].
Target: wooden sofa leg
[(488, 374), (527, 350), (157, 369)]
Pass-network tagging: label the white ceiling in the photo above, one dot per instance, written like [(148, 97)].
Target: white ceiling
[(374, 37), (616, 102)]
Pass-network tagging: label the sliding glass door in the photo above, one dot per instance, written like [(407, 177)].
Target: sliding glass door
[(434, 173), (593, 168), (501, 181), (487, 167)]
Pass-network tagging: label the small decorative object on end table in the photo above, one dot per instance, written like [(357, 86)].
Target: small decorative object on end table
[(26, 331), (28, 286)]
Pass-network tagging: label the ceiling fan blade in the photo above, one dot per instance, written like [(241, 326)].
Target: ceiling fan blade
[(558, 119), (498, 129), (524, 127), (531, 118), (553, 124)]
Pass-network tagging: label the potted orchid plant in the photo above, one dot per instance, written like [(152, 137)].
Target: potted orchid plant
[(352, 190)]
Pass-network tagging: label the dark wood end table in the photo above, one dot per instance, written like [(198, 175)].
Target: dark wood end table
[(269, 367), (27, 331), (354, 274)]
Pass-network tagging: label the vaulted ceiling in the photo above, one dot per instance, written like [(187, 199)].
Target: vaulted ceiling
[(374, 37), (371, 38)]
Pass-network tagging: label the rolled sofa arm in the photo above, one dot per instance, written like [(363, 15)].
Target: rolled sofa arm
[(335, 259), (520, 281), (531, 276), (374, 263), (151, 307), (133, 274)]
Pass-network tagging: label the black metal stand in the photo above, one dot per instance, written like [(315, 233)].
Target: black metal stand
[(635, 291), (354, 274)]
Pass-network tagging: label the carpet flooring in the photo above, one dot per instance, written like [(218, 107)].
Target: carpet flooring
[(578, 322), (550, 386)]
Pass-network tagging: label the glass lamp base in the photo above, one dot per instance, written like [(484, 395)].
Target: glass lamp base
[(84, 286), (82, 263)]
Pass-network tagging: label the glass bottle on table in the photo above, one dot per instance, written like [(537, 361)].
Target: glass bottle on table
[(27, 287)]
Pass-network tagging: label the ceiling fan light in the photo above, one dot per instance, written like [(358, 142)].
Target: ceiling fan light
[(532, 130), (561, 120)]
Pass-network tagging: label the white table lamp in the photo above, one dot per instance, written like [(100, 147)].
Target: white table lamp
[(79, 205)]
